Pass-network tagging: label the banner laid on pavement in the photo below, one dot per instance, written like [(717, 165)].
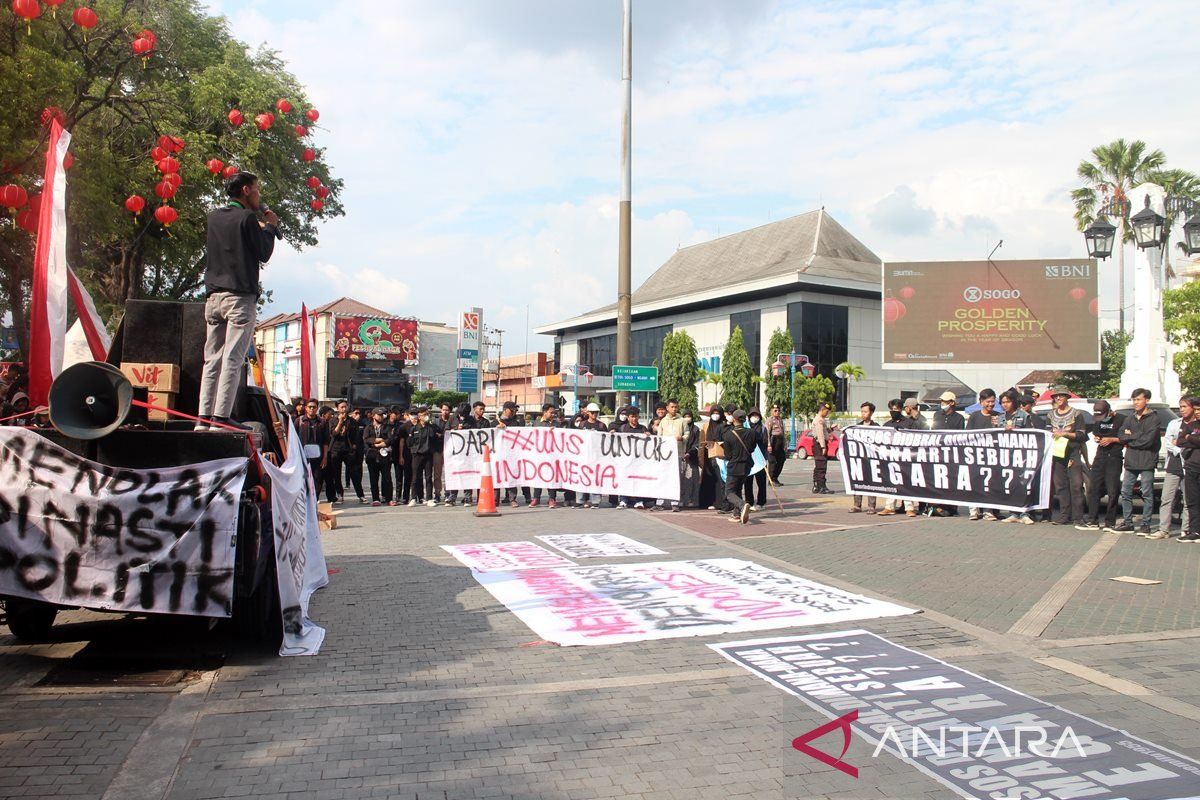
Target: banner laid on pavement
[(1005, 469), (975, 736), (599, 545), (502, 556), (562, 458), (299, 557), (79, 533), (618, 603)]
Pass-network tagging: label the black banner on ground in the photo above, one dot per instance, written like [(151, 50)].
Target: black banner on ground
[(987, 468), (977, 737)]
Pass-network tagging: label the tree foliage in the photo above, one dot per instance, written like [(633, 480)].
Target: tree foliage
[(736, 372), (435, 397), (777, 391), (1112, 172), (116, 108), (811, 392), (1181, 320), (680, 370), (1106, 381)]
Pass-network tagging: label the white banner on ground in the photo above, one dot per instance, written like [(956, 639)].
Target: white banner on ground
[(564, 458), (619, 603), (503, 556), (78, 533), (599, 545), (299, 557)]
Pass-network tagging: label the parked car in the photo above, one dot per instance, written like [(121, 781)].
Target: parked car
[(805, 444)]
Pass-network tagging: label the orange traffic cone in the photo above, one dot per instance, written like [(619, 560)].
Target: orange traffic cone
[(486, 506)]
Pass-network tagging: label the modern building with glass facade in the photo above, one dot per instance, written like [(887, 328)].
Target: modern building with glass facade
[(806, 274)]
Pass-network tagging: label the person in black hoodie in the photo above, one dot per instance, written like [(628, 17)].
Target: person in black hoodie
[(378, 440), (1142, 438), (738, 442), (344, 438), (420, 454), (758, 479), (712, 492), (314, 435), (1188, 443)]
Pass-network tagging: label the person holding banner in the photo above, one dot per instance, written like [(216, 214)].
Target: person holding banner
[(547, 420), (591, 422), (901, 421), (866, 414), (712, 450), (1069, 431), (738, 441), (632, 426), (985, 417), (671, 426)]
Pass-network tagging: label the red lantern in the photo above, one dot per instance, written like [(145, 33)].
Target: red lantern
[(313, 181), (1094, 306), (264, 121), (27, 10), (317, 205), (158, 154), (134, 204), (68, 160), (165, 190), (215, 165), (893, 310), (301, 130), (85, 18), (173, 179), (309, 154), (167, 164), (1078, 293), (146, 33), (50, 113), (172, 144), (312, 114), (283, 105), (53, 5), (28, 219), (321, 192), (13, 197), (143, 48), (166, 215), (236, 118), (229, 172), (907, 292)]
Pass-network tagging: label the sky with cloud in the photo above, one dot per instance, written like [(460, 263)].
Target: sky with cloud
[(479, 140)]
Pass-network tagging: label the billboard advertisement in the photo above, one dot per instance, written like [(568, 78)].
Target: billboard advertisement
[(1040, 313), (376, 337)]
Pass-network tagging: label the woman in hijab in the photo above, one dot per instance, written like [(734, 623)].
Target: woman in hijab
[(759, 478), (711, 453)]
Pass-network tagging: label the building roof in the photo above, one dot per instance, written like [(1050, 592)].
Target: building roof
[(345, 306), (811, 247), (1040, 376)]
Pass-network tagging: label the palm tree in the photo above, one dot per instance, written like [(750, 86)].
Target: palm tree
[(848, 371), (1115, 169), (1176, 183), (707, 377)]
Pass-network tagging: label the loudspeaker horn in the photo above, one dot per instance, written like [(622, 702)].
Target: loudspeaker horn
[(89, 400)]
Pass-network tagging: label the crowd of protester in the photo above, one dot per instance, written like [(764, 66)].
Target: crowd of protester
[(1121, 460), (402, 452)]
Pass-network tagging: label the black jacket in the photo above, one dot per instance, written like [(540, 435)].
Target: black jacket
[(1142, 440), (420, 439), (384, 430), (1189, 445), (349, 441), (953, 421), (980, 421), (1105, 429), (313, 430), (738, 444), (237, 246)]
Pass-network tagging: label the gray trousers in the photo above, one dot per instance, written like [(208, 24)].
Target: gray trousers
[(1173, 491), (230, 319)]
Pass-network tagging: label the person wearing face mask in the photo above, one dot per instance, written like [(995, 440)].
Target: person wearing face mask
[(985, 417), (758, 479), (947, 418), (900, 420), (591, 422), (1188, 443), (776, 443), (1104, 473), (689, 483), (866, 414), (739, 442), (711, 451)]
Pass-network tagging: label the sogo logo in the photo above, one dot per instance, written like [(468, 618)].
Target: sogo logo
[(973, 294)]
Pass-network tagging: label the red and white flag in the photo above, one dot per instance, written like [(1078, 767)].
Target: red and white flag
[(53, 280), (308, 354)]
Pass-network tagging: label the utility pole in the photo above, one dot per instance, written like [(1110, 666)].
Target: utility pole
[(624, 270)]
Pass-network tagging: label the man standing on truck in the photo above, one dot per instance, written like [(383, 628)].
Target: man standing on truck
[(238, 245)]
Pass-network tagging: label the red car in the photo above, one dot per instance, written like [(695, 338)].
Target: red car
[(804, 444)]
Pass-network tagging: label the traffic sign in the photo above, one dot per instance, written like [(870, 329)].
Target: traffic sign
[(634, 379), (467, 380)]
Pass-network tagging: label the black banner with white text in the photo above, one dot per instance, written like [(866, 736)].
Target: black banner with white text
[(1002, 469)]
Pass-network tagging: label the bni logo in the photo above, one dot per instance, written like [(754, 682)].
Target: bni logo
[(1068, 270)]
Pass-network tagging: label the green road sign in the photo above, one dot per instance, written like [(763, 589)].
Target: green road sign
[(635, 379)]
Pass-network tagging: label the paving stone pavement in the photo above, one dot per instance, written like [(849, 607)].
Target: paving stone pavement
[(427, 687)]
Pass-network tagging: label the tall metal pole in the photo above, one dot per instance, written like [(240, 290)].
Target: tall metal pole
[(624, 270), (792, 359)]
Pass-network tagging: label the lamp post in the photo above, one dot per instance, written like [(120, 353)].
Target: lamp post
[(787, 362), (576, 370), (1100, 236)]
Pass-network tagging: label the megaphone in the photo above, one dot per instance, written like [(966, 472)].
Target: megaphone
[(89, 400)]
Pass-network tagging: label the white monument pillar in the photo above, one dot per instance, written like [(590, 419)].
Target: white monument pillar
[(1148, 357)]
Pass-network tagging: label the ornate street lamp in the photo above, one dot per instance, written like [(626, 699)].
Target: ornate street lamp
[(1148, 227), (1191, 235), (1099, 237)]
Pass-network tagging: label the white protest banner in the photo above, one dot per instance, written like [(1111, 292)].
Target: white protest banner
[(502, 556), (299, 557), (79, 533), (599, 545), (990, 467), (618, 603), (627, 464)]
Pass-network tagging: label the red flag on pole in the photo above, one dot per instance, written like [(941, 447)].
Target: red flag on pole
[(48, 303), (308, 354)]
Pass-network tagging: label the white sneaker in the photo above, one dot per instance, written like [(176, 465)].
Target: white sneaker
[(756, 508), (639, 505), (622, 504), (412, 503), (431, 503)]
